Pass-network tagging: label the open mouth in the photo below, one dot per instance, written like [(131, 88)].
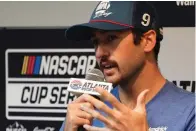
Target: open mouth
[(106, 67)]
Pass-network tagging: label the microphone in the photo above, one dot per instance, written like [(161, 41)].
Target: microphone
[(93, 78)]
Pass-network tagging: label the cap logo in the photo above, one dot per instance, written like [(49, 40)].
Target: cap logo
[(102, 9), (145, 19)]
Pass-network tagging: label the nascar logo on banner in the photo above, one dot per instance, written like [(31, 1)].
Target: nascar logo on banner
[(36, 81)]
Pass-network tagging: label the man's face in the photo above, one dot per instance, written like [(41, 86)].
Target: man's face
[(117, 55)]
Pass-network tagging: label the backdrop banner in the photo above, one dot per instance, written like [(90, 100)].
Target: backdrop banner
[(39, 63)]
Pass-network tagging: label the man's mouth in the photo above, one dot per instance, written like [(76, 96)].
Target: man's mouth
[(105, 66)]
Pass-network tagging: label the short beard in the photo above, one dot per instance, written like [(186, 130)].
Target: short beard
[(132, 76)]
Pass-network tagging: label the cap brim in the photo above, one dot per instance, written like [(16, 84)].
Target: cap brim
[(85, 31)]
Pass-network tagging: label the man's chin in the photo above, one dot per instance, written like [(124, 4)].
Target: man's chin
[(112, 80)]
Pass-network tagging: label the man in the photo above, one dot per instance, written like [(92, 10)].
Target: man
[(127, 37)]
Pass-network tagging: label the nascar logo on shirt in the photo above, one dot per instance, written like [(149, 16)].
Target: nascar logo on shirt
[(37, 80)]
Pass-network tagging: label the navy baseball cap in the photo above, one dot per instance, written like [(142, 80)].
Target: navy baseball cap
[(118, 15)]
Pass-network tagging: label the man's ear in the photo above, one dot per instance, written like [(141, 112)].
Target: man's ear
[(149, 40)]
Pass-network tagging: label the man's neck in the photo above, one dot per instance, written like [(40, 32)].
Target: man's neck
[(149, 78)]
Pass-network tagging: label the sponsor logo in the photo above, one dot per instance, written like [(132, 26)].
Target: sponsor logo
[(16, 127), (87, 86), (55, 65), (185, 3), (163, 128), (102, 9), (37, 80), (45, 129), (75, 84), (90, 86)]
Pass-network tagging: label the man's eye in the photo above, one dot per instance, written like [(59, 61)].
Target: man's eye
[(111, 38)]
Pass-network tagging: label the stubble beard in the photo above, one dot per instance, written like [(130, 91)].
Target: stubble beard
[(132, 75)]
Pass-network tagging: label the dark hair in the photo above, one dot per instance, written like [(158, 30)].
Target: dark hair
[(137, 37)]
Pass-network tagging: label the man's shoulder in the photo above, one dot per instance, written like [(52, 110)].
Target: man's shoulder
[(175, 100), (170, 106), (169, 92), (176, 93)]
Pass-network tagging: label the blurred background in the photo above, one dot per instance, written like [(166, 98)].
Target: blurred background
[(37, 60)]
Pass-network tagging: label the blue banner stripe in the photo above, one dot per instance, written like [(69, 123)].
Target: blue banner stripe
[(37, 65)]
